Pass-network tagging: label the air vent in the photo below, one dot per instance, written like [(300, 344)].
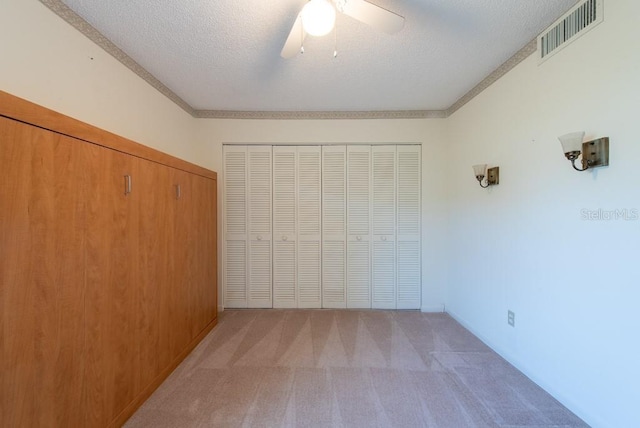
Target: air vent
[(573, 24)]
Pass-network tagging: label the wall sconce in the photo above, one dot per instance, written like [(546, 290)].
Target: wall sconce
[(492, 174), (595, 153)]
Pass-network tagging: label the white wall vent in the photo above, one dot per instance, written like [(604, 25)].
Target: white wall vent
[(569, 27)]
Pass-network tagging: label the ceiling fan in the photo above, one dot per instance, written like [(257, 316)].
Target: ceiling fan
[(317, 18)]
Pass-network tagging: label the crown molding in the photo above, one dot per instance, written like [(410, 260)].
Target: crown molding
[(76, 21), (496, 74), (320, 115)]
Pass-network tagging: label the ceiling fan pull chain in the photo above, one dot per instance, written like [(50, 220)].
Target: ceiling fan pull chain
[(301, 39), (335, 40)]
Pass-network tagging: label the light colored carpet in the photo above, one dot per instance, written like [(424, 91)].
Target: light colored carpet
[(321, 368)]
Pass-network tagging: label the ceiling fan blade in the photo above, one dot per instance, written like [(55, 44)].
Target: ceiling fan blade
[(375, 16), (294, 41)]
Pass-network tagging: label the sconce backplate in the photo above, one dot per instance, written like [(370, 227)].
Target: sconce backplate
[(493, 175), (595, 153)]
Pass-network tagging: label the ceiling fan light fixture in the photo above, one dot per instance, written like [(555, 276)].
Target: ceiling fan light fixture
[(318, 17)]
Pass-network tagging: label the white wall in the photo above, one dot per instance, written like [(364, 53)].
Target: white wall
[(524, 245), (47, 61), (213, 133)]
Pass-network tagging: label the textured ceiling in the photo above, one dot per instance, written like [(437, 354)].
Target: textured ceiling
[(225, 54)]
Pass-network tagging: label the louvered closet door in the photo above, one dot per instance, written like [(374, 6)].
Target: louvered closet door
[(284, 227), (259, 209), (345, 223), (408, 238), (383, 259), (334, 226), (235, 226), (358, 227), (309, 273)]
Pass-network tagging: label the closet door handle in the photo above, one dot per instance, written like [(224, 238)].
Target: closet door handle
[(284, 237), (384, 238), (259, 237), (359, 238), (127, 184), (178, 191)]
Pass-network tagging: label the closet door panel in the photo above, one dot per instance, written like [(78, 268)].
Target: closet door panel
[(383, 274), (284, 274), (235, 280), (358, 226), (42, 200), (309, 264), (334, 227), (309, 227), (235, 274), (334, 269), (409, 275), (112, 364), (358, 273), (259, 204), (345, 226), (384, 226), (285, 260), (409, 227)]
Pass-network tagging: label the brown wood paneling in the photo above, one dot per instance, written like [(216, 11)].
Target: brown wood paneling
[(167, 307), (182, 264), (197, 268), (26, 111), (112, 366), (211, 257), (166, 371), (156, 198), (103, 292), (42, 265), (203, 218)]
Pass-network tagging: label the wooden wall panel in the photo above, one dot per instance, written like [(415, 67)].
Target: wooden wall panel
[(103, 291), (112, 370), (212, 258), (181, 262), (155, 194), (42, 256), (26, 111), (202, 261)]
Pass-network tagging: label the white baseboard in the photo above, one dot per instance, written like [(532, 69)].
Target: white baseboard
[(576, 408), (432, 309)]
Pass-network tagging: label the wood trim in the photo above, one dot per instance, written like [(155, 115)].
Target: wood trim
[(25, 111), (146, 393)]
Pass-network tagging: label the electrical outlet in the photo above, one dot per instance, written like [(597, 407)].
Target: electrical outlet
[(511, 318)]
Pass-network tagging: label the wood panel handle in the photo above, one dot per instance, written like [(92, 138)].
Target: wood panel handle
[(127, 184), (178, 191)]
